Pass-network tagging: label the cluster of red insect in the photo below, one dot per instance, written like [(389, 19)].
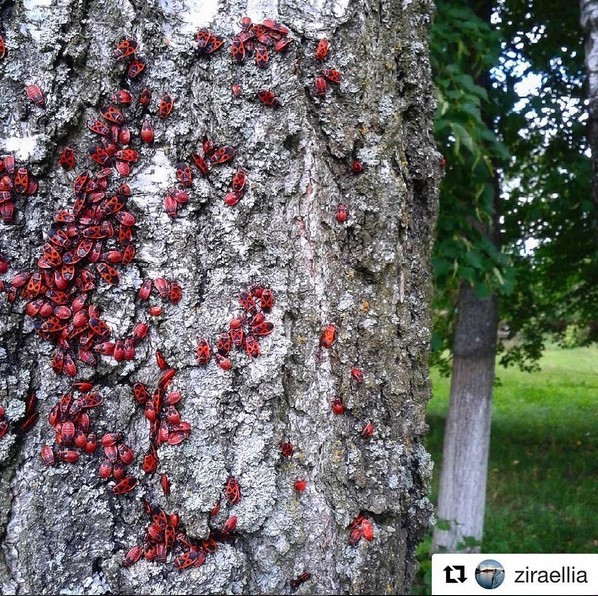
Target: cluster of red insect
[(243, 329), (164, 535), (211, 155), (166, 289), (123, 349), (14, 182), (117, 456), (326, 74), (237, 188), (160, 410), (360, 528), (2, 48), (94, 235), (114, 132), (160, 537), (115, 136), (207, 43), (327, 340), (256, 38), (70, 421), (127, 50), (84, 241)]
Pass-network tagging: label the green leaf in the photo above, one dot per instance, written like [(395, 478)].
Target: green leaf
[(462, 136)]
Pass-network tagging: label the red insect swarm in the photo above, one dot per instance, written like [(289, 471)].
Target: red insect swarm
[(15, 181), (70, 421)]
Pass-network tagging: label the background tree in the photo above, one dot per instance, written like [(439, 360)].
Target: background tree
[(62, 528), (467, 261), (544, 205)]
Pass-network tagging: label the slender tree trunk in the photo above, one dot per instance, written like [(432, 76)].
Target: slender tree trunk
[(462, 489), (589, 24), (464, 467), (62, 528)]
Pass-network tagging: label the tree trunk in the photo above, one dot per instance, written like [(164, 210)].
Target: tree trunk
[(462, 488), (63, 529), (589, 24)]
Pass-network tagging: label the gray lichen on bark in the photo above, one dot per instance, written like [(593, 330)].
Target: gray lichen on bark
[(63, 531)]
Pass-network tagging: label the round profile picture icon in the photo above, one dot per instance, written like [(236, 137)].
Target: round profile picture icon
[(489, 574)]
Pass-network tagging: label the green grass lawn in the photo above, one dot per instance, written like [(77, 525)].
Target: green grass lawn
[(542, 492)]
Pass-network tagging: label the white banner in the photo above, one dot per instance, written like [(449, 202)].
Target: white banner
[(521, 574)]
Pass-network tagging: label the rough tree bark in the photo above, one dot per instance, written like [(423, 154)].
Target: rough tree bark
[(62, 528), (589, 25)]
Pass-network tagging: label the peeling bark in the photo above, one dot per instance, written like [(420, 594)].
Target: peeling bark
[(62, 529)]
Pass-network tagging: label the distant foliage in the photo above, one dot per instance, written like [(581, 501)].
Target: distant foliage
[(545, 269), (463, 50)]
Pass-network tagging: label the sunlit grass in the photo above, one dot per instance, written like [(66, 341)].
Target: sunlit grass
[(542, 492)]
